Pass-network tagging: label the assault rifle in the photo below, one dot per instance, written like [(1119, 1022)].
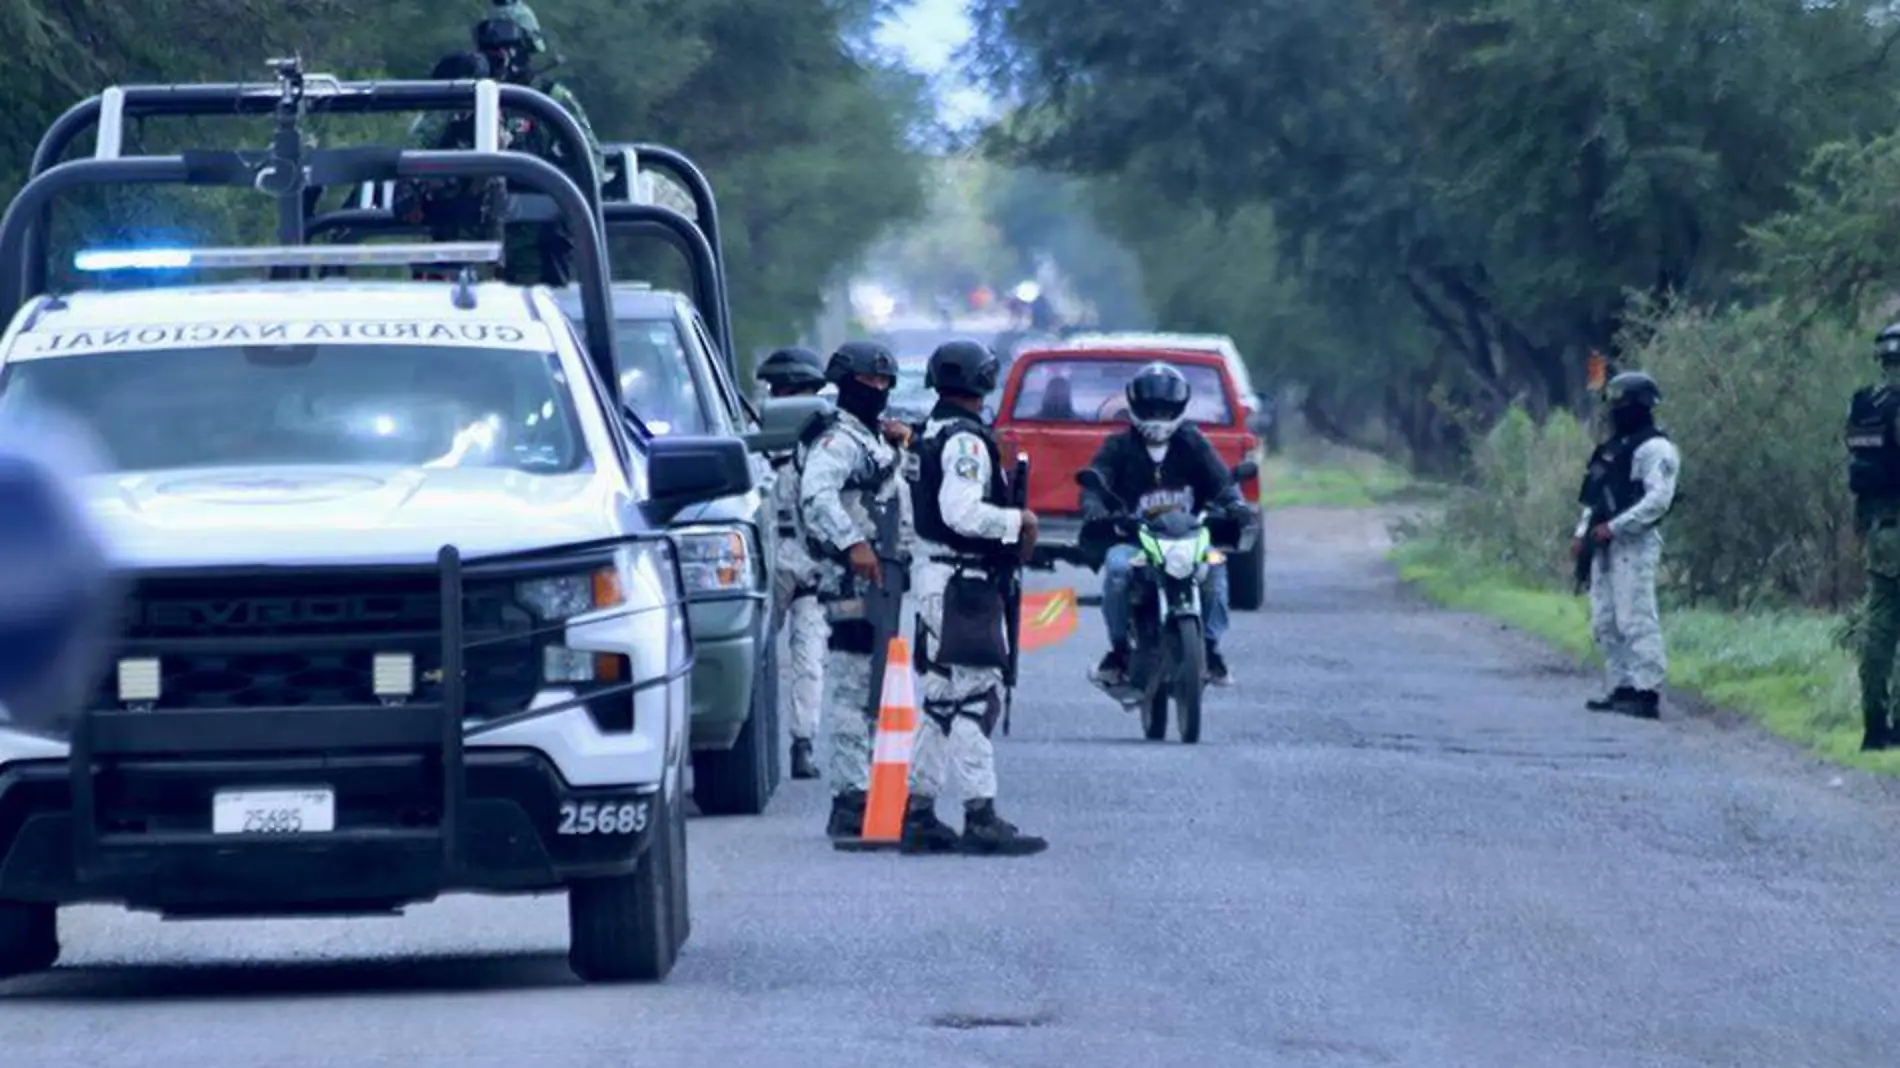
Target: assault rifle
[(1012, 587), (884, 602), (1596, 496)]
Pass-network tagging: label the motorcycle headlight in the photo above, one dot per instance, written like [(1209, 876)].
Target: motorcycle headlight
[(714, 559), (1178, 558)]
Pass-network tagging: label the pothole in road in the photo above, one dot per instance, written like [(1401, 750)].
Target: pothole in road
[(960, 1021)]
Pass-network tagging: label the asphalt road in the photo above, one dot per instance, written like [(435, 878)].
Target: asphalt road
[(1402, 842)]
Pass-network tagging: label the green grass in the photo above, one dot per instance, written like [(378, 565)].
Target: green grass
[(1786, 671), (1339, 479)]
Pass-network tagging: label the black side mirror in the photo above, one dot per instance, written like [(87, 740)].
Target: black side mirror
[(782, 420), (685, 471), (1245, 470)]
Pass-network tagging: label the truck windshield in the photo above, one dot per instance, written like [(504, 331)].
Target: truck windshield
[(315, 404), (1089, 390), (656, 377)]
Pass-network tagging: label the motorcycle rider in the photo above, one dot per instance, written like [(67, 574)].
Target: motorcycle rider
[(963, 535), (510, 38), (847, 462), (1160, 463), (797, 372)]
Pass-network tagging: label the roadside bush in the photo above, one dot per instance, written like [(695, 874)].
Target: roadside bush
[(1754, 399)]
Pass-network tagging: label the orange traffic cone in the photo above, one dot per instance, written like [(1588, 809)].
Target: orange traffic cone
[(890, 756)]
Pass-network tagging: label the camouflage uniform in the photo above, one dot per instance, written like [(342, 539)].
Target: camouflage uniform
[(535, 253), (849, 460), (1623, 613), (1873, 477), (795, 588)]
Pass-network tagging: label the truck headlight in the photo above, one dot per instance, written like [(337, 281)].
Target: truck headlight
[(559, 597), (715, 559)]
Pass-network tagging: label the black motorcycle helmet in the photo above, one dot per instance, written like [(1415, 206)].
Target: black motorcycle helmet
[(792, 370), (861, 358), (1157, 401), (962, 368)]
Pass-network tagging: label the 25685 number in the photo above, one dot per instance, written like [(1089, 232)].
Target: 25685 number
[(609, 817)]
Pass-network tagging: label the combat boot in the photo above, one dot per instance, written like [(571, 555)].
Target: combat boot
[(1612, 701), (847, 814), (986, 833), (803, 766), (1643, 704), (923, 831)]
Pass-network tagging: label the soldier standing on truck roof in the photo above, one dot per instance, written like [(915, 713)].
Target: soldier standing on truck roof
[(453, 209), (846, 464), (965, 539), (797, 372), (511, 37), (1873, 477)]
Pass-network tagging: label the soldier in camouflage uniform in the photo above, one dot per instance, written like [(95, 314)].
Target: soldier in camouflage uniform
[(965, 538), (453, 209), (849, 461), (1631, 478), (797, 372), (1873, 477), (511, 37)]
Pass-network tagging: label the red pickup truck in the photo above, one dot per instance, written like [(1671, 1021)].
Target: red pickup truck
[(1060, 404)]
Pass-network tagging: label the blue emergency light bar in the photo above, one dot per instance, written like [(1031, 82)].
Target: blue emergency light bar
[(172, 259)]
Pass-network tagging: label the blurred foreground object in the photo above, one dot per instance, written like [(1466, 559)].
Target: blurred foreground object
[(57, 593)]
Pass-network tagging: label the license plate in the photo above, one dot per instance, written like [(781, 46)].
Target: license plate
[(273, 812)]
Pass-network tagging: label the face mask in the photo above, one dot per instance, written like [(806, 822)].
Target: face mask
[(1890, 373), (1629, 418), (865, 402)]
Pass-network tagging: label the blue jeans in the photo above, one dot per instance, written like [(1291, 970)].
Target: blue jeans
[(1117, 585)]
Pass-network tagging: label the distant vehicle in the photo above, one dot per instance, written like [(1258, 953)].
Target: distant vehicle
[(911, 401), (1061, 403)]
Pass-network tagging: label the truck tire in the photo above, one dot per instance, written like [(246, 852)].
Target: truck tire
[(1247, 578), (29, 938), (740, 781), (626, 928)]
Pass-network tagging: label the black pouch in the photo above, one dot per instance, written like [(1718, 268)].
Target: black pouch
[(971, 634)]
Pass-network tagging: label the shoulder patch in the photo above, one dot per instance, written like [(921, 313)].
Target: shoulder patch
[(967, 468), (965, 446)]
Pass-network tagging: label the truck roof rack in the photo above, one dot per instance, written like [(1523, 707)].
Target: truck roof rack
[(288, 169), (633, 218)]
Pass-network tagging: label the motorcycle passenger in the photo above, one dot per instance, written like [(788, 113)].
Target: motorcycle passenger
[(796, 372), (965, 543), (1159, 464)]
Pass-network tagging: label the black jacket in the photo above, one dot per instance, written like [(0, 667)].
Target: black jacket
[(1190, 473)]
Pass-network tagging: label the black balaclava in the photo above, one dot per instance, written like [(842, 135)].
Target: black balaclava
[(1630, 418), (862, 400)]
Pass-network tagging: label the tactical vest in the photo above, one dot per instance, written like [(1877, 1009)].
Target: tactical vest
[(1613, 467), (860, 482), (1873, 455), (927, 487)]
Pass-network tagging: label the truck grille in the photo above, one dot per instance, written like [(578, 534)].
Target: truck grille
[(307, 638)]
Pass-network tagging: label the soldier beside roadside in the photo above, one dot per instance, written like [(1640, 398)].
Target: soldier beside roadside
[(1873, 477), (797, 372), (1627, 490), (849, 467)]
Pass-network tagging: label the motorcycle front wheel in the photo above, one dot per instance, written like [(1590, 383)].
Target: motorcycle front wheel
[(1187, 653)]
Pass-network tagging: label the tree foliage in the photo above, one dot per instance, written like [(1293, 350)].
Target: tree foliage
[(805, 133), (1463, 196)]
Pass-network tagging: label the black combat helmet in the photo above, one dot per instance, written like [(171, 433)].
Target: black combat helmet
[(461, 66), (962, 368), (509, 37), (1632, 388), (793, 368), (1887, 343), (861, 358)]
